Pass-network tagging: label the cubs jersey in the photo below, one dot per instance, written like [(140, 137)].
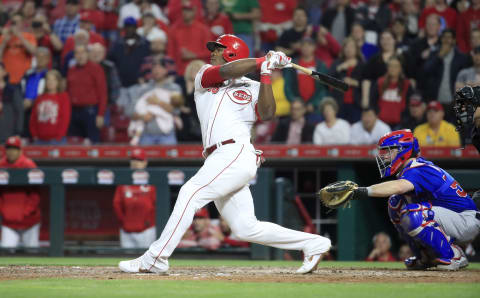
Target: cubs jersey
[(433, 184), (227, 111)]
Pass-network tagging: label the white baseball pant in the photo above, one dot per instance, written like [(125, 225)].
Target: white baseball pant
[(464, 226), (224, 179), (28, 237), (141, 239)]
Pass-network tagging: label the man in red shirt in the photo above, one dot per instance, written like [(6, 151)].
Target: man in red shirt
[(276, 17), (448, 15), (135, 208), (19, 206), (87, 89), (217, 21), (187, 39), (467, 21)]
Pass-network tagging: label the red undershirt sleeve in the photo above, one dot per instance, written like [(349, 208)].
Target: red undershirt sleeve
[(211, 77)]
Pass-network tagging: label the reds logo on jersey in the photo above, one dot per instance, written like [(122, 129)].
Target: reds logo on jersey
[(241, 97)]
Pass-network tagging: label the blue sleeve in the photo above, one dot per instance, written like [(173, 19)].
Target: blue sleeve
[(424, 179), (30, 90)]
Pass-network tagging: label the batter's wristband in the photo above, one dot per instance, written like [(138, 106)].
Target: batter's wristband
[(259, 62), (360, 193), (266, 79)]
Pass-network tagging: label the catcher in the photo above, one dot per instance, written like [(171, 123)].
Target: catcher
[(427, 206)]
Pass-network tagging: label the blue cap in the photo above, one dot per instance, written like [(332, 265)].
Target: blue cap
[(130, 21)]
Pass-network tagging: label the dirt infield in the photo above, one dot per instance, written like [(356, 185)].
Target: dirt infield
[(244, 274)]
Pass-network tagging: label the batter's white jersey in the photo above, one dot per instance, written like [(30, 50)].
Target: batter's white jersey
[(226, 112)]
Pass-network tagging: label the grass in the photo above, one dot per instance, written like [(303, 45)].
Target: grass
[(70, 287)]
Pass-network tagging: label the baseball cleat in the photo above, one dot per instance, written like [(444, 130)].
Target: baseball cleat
[(310, 264), (459, 261), (132, 266), (414, 263)]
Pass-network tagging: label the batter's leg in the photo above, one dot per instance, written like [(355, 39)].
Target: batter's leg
[(238, 211)]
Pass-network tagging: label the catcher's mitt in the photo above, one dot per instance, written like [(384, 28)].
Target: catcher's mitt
[(340, 193)]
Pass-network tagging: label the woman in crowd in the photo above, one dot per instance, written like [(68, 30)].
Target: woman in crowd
[(349, 68), (390, 93), (51, 112), (332, 131)]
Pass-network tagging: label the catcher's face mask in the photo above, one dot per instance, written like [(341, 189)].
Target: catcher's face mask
[(385, 158)]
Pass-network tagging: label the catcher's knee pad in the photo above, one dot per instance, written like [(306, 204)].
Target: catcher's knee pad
[(395, 205), (417, 220)]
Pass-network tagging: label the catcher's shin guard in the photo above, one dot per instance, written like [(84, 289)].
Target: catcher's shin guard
[(417, 221)]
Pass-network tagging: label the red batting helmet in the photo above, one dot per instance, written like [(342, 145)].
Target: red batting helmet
[(235, 48)]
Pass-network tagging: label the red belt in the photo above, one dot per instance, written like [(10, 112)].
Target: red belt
[(212, 148)]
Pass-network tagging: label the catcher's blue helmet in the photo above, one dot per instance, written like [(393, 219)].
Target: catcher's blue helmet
[(404, 142)]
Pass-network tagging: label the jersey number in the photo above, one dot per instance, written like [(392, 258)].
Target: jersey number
[(460, 192)]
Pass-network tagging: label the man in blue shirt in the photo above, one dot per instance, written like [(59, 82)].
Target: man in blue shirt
[(67, 25), (428, 207)]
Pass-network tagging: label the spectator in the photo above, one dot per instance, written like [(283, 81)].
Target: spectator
[(422, 47), (16, 49), (128, 54), (332, 131), (28, 10), (402, 39), (404, 252), (217, 21), (135, 9), (339, 19), (369, 129), (87, 89), (229, 240), (50, 116), (276, 17), (158, 49), (349, 68), (67, 25), (86, 23), (475, 38), (368, 49), (8, 122), (440, 8), (134, 206), (97, 54), (377, 65), (20, 205), (81, 37), (33, 83), (467, 21), (174, 9), (410, 14), (441, 70), (149, 29), (208, 236), (154, 122), (375, 17), (184, 50), (110, 20), (89, 7), (294, 129), (290, 40), (188, 112), (381, 249), (436, 132), (416, 113), (243, 14), (327, 47), (390, 93), (45, 37), (470, 76), (300, 85)]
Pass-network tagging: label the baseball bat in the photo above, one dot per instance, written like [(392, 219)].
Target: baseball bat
[(323, 78)]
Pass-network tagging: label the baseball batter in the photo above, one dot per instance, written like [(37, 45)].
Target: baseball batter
[(427, 205), (228, 104)]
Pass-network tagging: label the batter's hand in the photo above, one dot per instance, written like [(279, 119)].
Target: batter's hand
[(278, 60)]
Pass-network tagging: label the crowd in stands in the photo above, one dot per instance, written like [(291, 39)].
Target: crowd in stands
[(119, 71)]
